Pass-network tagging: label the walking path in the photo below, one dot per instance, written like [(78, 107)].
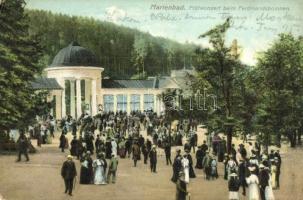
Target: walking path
[(40, 179)]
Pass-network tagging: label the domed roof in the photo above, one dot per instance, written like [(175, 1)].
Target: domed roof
[(74, 55)]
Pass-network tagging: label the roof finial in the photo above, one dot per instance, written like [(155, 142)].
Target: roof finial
[(74, 43)]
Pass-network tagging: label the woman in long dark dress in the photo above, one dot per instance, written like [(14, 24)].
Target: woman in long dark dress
[(191, 169), (63, 142), (86, 171), (177, 167), (199, 157), (108, 148), (181, 187)]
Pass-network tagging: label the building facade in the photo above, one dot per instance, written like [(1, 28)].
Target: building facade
[(81, 87)]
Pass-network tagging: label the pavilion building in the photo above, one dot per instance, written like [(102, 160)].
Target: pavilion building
[(76, 86)]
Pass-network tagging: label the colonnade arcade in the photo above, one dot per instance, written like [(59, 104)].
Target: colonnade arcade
[(79, 96), (81, 85)]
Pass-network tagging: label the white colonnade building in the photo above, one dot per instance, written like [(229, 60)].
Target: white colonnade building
[(82, 88)]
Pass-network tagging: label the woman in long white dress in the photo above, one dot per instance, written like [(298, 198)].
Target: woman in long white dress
[(273, 173), (253, 185), (185, 165), (114, 147), (269, 194), (99, 166)]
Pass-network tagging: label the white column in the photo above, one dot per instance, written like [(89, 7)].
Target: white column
[(94, 97), (155, 103), (78, 93), (88, 92), (128, 103), (157, 108), (162, 105), (58, 106), (72, 99), (142, 102), (63, 108), (115, 103)]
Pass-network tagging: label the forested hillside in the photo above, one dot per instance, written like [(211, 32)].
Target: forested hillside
[(123, 52)]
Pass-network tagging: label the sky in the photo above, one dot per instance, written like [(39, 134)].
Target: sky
[(255, 23)]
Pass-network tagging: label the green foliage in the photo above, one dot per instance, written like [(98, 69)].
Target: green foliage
[(123, 52), (221, 72), (19, 62), (280, 75)]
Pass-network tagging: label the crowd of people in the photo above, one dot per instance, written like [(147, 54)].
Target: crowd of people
[(117, 135), (113, 135), (259, 172)]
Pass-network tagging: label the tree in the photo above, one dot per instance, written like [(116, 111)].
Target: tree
[(139, 54), (220, 65), (280, 76), (19, 63), (113, 45)]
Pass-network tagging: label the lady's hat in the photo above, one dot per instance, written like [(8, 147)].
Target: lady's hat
[(264, 157), (69, 157), (262, 166), (252, 168), (233, 175)]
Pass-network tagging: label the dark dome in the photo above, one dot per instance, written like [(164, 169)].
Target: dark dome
[(74, 55)]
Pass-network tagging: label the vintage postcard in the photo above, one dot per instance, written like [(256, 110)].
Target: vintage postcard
[(151, 99)]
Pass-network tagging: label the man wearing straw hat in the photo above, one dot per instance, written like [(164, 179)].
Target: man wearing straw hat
[(68, 173)]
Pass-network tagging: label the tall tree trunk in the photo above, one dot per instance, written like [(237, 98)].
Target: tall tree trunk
[(291, 139), (278, 139), (229, 139), (299, 137)]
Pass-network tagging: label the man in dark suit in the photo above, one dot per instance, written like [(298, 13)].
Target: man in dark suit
[(23, 145), (136, 152), (243, 174), (153, 159), (167, 150), (177, 166), (68, 173), (263, 180)]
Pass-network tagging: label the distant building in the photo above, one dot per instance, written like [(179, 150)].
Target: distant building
[(76, 85)]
